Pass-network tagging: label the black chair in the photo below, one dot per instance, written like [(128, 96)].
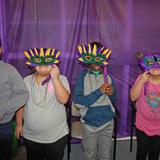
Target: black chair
[(133, 113)]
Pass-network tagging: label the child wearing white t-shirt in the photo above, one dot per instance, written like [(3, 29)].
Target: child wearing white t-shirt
[(45, 125)]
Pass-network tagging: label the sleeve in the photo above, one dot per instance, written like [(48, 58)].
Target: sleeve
[(80, 98), (113, 97), (65, 83), (19, 94)]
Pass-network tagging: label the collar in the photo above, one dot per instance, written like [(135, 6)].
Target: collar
[(96, 73)]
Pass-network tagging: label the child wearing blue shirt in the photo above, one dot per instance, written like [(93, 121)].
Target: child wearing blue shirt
[(94, 96)]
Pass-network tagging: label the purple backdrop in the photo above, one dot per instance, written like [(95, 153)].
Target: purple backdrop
[(126, 26)]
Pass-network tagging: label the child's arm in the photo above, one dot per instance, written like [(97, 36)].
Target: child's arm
[(113, 95), (19, 96), (61, 92), (19, 122), (86, 100), (136, 89)]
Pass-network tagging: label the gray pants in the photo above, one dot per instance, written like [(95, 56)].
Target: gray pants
[(97, 145)]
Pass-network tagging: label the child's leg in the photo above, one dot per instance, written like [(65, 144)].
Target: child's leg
[(89, 144), (105, 142), (35, 151), (55, 151), (142, 145), (154, 149)]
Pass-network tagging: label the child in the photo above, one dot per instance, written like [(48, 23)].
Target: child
[(13, 95), (93, 96), (45, 127), (146, 91)]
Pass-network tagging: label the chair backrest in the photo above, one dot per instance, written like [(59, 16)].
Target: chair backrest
[(75, 110)]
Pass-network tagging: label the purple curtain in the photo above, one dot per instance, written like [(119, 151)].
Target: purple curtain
[(126, 26)]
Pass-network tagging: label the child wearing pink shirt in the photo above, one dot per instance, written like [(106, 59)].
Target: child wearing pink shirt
[(146, 93)]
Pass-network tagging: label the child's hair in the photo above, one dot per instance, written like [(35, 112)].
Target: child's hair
[(139, 55), (98, 44)]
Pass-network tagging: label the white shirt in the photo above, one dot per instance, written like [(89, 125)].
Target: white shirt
[(44, 117)]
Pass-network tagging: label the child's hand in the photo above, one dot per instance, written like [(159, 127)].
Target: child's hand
[(108, 90), (18, 131), (55, 72), (144, 77), (103, 87)]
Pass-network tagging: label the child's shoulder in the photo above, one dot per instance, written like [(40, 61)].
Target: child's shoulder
[(8, 67), (28, 78), (63, 78)]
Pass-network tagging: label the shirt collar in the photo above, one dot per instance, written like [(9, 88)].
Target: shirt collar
[(96, 73)]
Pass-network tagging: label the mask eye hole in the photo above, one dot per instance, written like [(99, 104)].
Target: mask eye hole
[(38, 60), (150, 63), (97, 59), (88, 58), (48, 59)]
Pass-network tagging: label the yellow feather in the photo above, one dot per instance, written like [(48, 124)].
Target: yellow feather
[(89, 48), (27, 55), (105, 51), (41, 52), (56, 61), (108, 54), (58, 53), (80, 49), (48, 52), (36, 51), (94, 50), (52, 53), (105, 63), (102, 48), (84, 49), (31, 52), (28, 63), (80, 59)]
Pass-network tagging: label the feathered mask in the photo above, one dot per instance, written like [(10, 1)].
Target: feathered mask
[(149, 60), (93, 55), (42, 56)]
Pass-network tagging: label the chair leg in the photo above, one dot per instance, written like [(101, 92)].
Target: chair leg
[(132, 125), (68, 146), (131, 139), (69, 135), (115, 139)]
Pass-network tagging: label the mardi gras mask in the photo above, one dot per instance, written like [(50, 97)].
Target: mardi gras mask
[(150, 61), (93, 55), (42, 56)]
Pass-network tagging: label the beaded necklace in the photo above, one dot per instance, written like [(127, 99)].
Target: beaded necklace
[(42, 102)]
